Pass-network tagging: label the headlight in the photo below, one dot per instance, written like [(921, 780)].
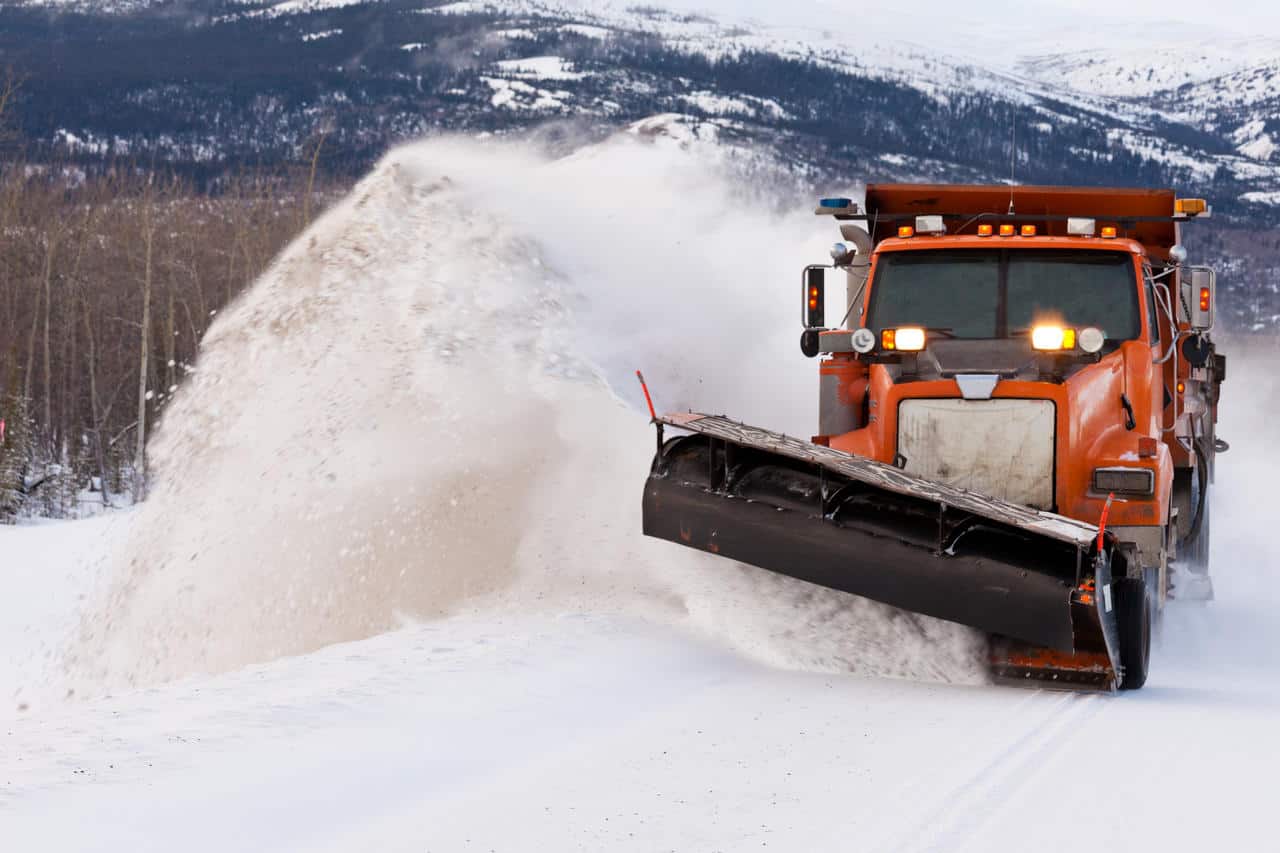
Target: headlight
[(1092, 339), (863, 340), (904, 339), (1051, 338), (1125, 481)]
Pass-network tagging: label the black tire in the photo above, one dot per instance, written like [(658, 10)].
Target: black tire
[(1197, 561), (1133, 613)]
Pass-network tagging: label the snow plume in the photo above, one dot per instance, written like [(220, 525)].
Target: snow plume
[(1236, 639), (427, 405)]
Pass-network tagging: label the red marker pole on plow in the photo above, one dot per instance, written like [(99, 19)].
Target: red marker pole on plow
[(1102, 523), (653, 414)]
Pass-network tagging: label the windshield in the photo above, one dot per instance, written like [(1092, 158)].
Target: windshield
[(1001, 293)]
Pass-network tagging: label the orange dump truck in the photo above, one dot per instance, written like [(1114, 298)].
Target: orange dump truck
[(1016, 429)]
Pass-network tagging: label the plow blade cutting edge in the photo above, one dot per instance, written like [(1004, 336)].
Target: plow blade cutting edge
[(1033, 579)]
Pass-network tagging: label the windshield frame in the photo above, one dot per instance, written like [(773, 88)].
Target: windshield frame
[(1004, 251)]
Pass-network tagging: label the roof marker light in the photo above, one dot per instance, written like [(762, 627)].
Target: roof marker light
[(1028, 231), (985, 230), (1190, 206), (1007, 231), (906, 231), (1109, 232)]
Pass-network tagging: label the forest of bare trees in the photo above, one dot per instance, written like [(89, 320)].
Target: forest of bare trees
[(107, 284)]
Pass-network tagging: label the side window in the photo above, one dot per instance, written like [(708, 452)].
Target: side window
[(1152, 313)]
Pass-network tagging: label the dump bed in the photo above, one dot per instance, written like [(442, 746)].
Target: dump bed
[(1145, 215)]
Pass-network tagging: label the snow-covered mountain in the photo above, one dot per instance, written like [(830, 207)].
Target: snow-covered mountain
[(808, 97), (1147, 71)]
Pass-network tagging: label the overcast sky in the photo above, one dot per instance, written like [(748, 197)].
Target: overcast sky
[(1023, 27)]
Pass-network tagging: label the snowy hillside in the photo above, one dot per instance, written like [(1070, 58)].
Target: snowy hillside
[(369, 73), (389, 590), (1150, 69)]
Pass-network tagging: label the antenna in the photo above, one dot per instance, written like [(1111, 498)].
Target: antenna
[(1013, 157)]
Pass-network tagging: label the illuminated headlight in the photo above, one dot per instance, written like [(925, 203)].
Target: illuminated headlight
[(904, 339), (1050, 338), (1092, 339), (1125, 481)]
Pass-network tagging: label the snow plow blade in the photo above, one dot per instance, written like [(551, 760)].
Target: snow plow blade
[(1031, 578)]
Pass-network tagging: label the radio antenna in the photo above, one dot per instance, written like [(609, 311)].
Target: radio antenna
[(1013, 157)]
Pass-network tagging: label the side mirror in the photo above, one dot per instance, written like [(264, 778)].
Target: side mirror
[(1200, 294), (815, 292)]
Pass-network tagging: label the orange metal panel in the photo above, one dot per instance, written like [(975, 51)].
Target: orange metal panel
[(1110, 206)]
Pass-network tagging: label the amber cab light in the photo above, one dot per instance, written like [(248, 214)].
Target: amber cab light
[(1190, 206), (985, 230), (888, 339), (906, 231), (1007, 231), (1028, 231), (1109, 232)]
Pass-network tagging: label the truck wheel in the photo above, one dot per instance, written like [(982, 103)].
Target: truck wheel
[(1133, 613), (1197, 561)]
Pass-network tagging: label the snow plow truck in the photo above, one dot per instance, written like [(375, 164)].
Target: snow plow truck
[(1016, 426)]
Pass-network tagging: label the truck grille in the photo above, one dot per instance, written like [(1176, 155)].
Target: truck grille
[(1001, 448)]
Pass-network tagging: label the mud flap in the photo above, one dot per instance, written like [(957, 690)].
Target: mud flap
[(867, 528)]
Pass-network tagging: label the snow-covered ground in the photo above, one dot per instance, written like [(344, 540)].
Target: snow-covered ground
[(389, 591)]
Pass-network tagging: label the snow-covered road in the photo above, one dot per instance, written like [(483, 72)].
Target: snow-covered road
[(587, 733), (389, 591)]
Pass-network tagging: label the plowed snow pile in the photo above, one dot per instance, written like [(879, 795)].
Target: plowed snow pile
[(422, 407)]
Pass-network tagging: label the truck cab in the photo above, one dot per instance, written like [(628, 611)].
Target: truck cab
[(1040, 345)]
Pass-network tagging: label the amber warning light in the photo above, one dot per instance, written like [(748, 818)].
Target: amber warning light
[(814, 304)]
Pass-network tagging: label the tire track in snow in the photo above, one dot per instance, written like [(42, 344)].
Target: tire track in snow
[(957, 813)]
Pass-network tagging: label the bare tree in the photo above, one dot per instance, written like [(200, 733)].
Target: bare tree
[(144, 350)]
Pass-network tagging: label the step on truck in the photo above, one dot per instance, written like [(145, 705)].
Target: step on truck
[(1016, 426)]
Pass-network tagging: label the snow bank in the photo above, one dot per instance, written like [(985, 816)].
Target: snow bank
[(419, 410)]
